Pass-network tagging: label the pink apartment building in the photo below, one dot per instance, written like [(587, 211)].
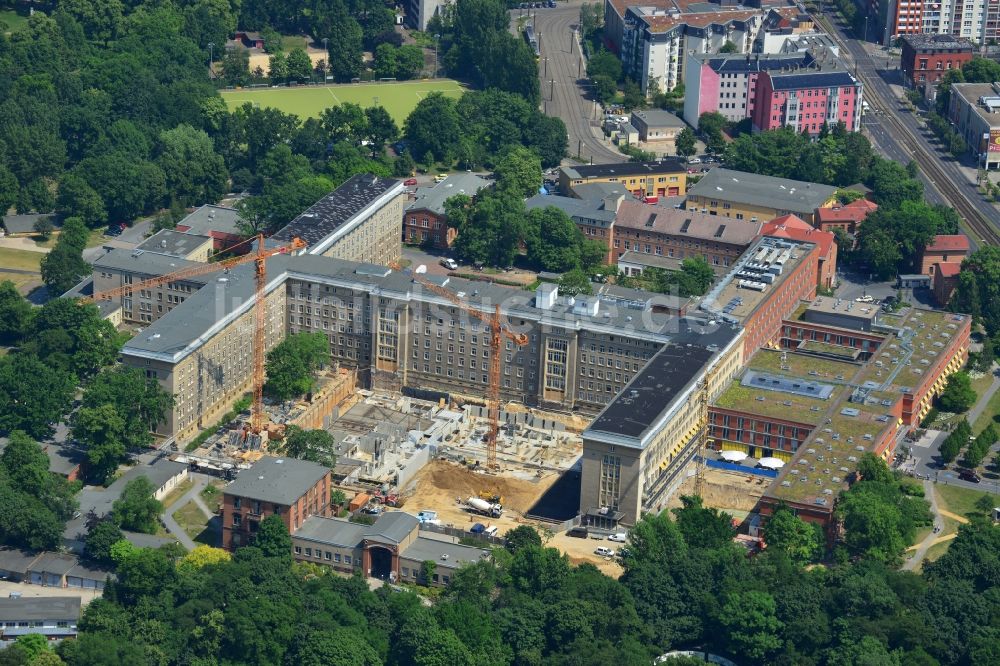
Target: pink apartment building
[(807, 99)]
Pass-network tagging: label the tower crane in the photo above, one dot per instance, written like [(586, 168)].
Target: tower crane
[(498, 333), (259, 257)]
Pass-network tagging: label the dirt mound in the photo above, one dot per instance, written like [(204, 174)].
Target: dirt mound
[(444, 482), (724, 491)]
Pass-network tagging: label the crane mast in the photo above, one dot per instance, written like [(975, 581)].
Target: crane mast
[(498, 333)]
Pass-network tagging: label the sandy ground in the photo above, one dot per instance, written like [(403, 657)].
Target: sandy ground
[(22, 243), (263, 60), (440, 483), (731, 492), (86, 596)]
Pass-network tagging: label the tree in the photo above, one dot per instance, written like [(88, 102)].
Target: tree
[(409, 62), (428, 568), (433, 127), (605, 63), (751, 625), (36, 502), (381, 128), (277, 67), (298, 66), (32, 645), (100, 538), (15, 313), (632, 97), (62, 268), (202, 556), (272, 538), (344, 57), (101, 432), (33, 395), (801, 541), (685, 143), (604, 88), (701, 527), (43, 227), (139, 401), (194, 172), (958, 395), (314, 445), (519, 172), (73, 337), (522, 536), (711, 124), (575, 282), (100, 20), (236, 66), (137, 509), (292, 363), (729, 47), (122, 550)]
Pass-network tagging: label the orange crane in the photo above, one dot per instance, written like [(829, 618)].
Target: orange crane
[(259, 257), (498, 333)]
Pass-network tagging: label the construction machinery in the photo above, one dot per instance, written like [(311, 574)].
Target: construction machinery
[(491, 496), (498, 333), (259, 257)]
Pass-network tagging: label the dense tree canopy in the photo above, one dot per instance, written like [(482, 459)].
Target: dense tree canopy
[(292, 364)]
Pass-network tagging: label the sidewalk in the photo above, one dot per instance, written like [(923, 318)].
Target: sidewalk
[(192, 495), (984, 399)]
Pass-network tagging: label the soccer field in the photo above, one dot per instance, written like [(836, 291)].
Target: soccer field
[(308, 101)]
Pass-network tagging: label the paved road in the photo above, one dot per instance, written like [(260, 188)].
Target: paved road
[(932, 537), (893, 142), (565, 88), (200, 481)]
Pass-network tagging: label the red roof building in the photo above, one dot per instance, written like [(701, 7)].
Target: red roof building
[(847, 217), (944, 249), (795, 228)]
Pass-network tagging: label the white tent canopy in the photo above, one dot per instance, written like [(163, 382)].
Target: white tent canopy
[(733, 456), (771, 463)]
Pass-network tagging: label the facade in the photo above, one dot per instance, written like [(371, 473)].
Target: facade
[(122, 267), (944, 249), (393, 548), (847, 217), (191, 247), (419, 12), (727, 83), (747, 196), (290, 488), (807, 100), (53, 617), (944, 281), (974, 110), (664, 178), (635, 449), (425, 221), (794, 228), (976, 20), (678, 234), (358, 221), (925, 58), (657, 129)]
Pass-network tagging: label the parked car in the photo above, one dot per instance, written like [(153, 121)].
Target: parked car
[(578, 532), (409, 182), (694, 160), (441, 176), (865, 299), (603, 551), (619, 537), (490, 531), (427, 516), (449, 263), (969, 475), (477, 528)]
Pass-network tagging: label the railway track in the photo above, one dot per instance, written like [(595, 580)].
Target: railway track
[(981, 227)]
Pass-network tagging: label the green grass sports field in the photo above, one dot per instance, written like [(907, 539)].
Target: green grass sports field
[(398, 98)]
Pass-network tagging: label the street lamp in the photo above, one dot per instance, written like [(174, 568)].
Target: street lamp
[(546, 62), (211, 45), (437, 38)]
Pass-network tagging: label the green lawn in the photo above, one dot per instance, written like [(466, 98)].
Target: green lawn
[(309, 101), (20, 259), (192, 521), (992, 408), (13, 20), (289, 42), (959, 500)]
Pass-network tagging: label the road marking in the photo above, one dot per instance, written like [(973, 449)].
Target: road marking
[(335, 99)]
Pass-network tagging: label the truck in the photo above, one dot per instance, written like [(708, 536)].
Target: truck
[(484, 508)]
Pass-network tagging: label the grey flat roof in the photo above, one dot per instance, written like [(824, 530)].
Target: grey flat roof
[(158, 473), (766, 191), (588, 210), (39, 608), (665, 165), (183, 329), (24, 224), (662, 383), (338, 211), (923, 43), (153, 264), (845, 307), (601, 190), (277, 480), (754, 62), (209, 218), (433, 198), (811, 79), (636, 215), (331, 531), (176, 243), (13, 559), (658, 118), (425, 548), (972, 92)]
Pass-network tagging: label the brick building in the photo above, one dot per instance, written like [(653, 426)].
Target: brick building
[(944, 281), (286, 487), (944, 249), (425, 220), (847, 217), (925, 58)]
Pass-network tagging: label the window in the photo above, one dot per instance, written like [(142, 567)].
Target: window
[(347, 559), (237, 519)]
